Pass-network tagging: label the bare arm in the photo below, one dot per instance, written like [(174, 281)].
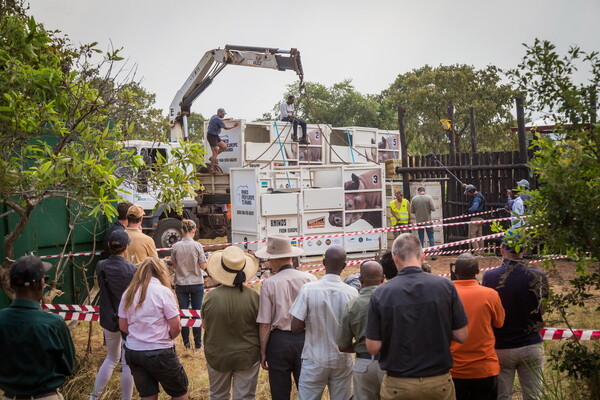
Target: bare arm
[(264, 331), (174, 327), (232, 126), (373, 346), (202, 265), (123, 325), (298, 325), (460, 335)]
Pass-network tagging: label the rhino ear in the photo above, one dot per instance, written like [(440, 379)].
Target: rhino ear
[(372, 141), (356, 180)]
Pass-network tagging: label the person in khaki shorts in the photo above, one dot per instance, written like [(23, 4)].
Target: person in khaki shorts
[(414, 350), (142, 246)]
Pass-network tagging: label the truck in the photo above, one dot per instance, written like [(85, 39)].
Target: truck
[(209, 208)]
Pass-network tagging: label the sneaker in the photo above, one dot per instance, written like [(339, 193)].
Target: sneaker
[(294, 138), (303, 141)]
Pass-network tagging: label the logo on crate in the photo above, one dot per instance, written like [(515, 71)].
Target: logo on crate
[(264, 184), (328, 242), (316, 223)]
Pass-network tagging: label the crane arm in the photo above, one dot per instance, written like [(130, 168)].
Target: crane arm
[(212, 63)]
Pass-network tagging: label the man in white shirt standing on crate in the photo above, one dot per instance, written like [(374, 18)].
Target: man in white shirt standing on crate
[(288, 114)]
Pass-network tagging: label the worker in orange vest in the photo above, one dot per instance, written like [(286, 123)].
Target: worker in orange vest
[(399, 212)]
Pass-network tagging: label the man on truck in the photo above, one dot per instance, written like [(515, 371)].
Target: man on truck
[(288, 114), (217, 145)]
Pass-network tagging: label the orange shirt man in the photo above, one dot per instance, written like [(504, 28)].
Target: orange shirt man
[(476, 368)]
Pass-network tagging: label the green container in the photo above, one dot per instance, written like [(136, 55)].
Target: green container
[(48, 232)]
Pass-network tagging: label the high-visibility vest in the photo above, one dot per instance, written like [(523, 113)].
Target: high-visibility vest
[(402, 212)]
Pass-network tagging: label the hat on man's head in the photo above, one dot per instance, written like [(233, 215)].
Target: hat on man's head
[(221, 111), (523, 183), (278, 246), (470, 188), (231, 267), (135, 211), (28, 270), (118, 238)]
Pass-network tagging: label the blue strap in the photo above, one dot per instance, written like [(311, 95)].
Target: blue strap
[(350, 145), (281, 150)]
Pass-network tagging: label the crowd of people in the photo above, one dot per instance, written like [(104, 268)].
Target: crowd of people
[(393, 332)]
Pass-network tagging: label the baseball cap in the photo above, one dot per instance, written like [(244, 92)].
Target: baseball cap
[(469, 188), (513, 241), (27, 270), (523, 183), (221, 110), (135, 211), (118, 238)]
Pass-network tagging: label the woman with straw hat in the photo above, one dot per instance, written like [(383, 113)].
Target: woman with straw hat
[(229, 313)]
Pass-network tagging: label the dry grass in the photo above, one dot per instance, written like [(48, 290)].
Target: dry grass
[(80, 385)]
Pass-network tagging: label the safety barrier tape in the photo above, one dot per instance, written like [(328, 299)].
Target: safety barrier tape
[(561, 334), (443, 253), (547, 333), (379, 230)]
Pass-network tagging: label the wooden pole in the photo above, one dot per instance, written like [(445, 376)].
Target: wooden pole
[(404, 151), (451, 132), (521, 129), (472, 129)]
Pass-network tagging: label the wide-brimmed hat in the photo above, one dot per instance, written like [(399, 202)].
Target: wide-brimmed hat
[(523, 183), (231, 267), (278, 246)]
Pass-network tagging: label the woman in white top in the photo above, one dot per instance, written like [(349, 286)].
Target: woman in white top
[(188, 259), (149, 314)]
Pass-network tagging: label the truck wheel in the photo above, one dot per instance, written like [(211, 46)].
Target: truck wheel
[(167, 233)]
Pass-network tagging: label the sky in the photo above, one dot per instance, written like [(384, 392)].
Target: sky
[(369, 41)]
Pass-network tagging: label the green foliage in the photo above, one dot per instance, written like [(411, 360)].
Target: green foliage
[(133, 106), (425, 93), (196, 127), (58, 132), (338, 105), (566, 216)]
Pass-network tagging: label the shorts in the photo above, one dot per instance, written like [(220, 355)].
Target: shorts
[(149, 368), (213, 140)]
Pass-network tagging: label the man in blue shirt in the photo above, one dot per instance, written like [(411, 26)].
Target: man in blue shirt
[(518, 341), (212, 135), (476, 205)]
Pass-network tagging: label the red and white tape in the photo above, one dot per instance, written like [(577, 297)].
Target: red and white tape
[(562, 334), (547, 333), (428, 224)]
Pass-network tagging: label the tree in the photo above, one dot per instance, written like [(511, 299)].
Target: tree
[(196, 127), (425, 93), (566, 216), (338, 105), (134, 108), (57, 138)]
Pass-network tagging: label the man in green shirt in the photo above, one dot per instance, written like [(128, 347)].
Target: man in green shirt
[(231, 342), (366, 374), (36, 346)]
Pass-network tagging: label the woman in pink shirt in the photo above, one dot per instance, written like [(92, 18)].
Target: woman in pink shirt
[(149, 314)]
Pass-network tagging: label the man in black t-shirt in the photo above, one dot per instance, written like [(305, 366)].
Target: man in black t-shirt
[(415, 351)]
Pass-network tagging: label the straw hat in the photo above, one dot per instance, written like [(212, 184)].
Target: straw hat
[(231, 267), (278, 246)]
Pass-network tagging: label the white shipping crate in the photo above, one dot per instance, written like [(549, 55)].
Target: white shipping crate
[(308, 201)]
